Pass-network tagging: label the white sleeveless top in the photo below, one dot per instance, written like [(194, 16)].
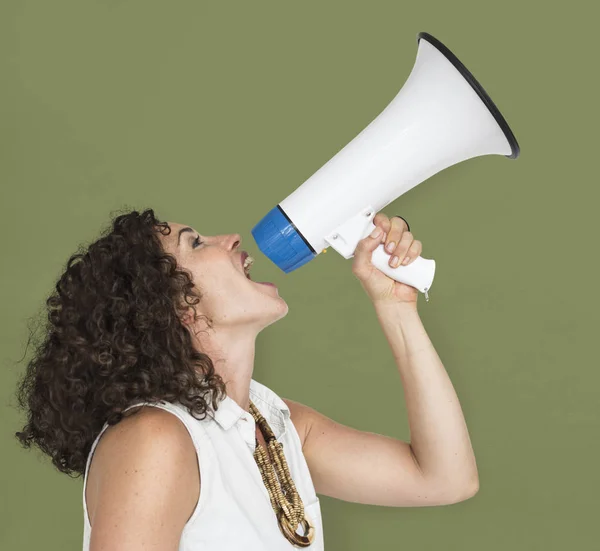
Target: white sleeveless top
[(234, 511)]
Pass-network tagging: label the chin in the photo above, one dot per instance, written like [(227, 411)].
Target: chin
[(281, 311), (285, 309), (265, 290), (274, 316)]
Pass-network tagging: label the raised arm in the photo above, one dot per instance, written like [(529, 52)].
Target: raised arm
[(436, 468)]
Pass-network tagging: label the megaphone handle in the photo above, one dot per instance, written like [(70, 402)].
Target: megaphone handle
[(419, 273), (344, 239)]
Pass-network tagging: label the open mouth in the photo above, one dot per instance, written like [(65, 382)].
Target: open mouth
[(248, 261), (246, 265)]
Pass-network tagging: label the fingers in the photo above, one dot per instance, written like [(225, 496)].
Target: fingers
[(381, 220), (399, 242), (361, 265), (395, 236), (407, 250), (414, 252)]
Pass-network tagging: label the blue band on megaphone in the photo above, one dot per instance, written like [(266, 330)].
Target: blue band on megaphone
[(278, 238)]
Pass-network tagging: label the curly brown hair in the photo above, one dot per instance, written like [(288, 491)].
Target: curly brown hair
[(113, 337)]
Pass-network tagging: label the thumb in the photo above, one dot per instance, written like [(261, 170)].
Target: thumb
[(364, 251)]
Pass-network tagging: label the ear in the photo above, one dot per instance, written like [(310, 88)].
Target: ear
[(188, 317)]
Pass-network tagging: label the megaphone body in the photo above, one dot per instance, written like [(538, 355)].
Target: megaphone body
[(440, 117)]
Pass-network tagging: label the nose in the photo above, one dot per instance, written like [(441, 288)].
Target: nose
[(233, 240)]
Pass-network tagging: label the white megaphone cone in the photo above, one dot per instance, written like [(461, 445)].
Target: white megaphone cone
[(440, 117)]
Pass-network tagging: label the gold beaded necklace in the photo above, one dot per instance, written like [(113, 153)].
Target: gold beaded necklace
[(285, 499)]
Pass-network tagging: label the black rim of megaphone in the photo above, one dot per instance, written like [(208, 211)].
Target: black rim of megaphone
[(514, 145)]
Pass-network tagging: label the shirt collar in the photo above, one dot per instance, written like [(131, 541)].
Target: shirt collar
[(270, 405)]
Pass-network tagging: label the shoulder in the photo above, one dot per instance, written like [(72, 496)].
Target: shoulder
[(299, 413), (302, 417), (151, 437), (146, 463), (149, 427)]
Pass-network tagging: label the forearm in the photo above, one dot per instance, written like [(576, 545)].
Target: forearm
[(439, 434)]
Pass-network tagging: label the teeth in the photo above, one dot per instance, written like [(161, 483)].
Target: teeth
[(248, 263)]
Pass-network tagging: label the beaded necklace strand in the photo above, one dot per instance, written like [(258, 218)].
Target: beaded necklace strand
[(285, 499)]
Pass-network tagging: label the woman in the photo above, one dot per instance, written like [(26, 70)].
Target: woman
[(144, 386)]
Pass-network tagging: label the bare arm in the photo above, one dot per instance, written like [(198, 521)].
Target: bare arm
[(148, 484), (438, 432), (436, 468)]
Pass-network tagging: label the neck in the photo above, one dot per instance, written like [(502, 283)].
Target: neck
[(232, 353)]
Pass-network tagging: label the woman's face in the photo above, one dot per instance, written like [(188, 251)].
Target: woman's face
[(228, 297)]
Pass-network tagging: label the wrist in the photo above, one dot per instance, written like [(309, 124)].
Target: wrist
[(397, 306)]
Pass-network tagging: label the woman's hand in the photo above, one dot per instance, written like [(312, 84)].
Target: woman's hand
[(380, 287)]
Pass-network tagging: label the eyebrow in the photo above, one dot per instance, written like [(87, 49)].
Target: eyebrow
[(181, 231)]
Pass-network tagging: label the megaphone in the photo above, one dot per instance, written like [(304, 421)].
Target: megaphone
[(440, 117)]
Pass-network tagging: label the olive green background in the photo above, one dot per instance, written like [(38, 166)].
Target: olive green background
[(213, 112)]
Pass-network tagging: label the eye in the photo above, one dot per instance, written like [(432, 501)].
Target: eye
[(196, 242)]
